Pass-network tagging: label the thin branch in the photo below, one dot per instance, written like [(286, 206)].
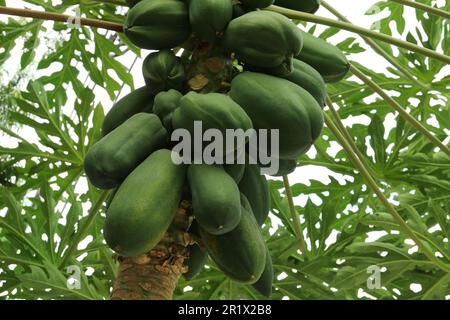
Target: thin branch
[(403, 113), (82, 231), (295, 218), (378, 49), (113, 2), (359, 30), (347, 135), (432, 10), (389, 207), (43, 15)]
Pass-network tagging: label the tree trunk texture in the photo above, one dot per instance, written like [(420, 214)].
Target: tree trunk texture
[(155, 274)]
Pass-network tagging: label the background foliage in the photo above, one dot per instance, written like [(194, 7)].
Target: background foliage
[(50, 115)]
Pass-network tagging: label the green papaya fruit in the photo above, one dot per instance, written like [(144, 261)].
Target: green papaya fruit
[(264, 39), (240, 253), (115, 156), (158, 24), (264, 283), (195, 261), (215, 198), (236, 171), (145, 205), (140, 100), (310, 6), (110, 197), (214, 110), (165, 104), (163, 71), (309, 79), (286, 166), (275, 103), (257, 3), (209, 17), (256, 190), (240, 10), (327, 59)]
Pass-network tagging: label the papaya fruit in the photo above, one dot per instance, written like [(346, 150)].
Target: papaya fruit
[(264, 39), (158, 24), (140, 100), (309, 79), (327, 59), (165, 104), (255, 188), (257, 3), (215, 198), (209, 18), (195, 261), (310, 6), (145, 205), (240, 10), (115, 156), (275, 103), (214, 110), (264, 283), (236, 171), (110, 197), (286, 166), (163, 71), (240, 253)]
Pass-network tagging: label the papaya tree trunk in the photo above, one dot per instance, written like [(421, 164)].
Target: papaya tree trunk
[(155, 274)]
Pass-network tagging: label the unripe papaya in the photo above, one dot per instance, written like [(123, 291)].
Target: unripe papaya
[(209, 17), (275, 103), (264, 39), (140, 100), (215, 198), (145, 205), (309, 79), (165, 104), (115, 156), (163, 71), (240, 253), (310, 6), (195, 261), (158, 24), (327, 59), (286, 166), (257, 3), (255, 188), (264, 283), (236, 171)]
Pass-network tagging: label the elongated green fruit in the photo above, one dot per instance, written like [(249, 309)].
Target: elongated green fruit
[(236, 171), (309, 79), (195, 261), (163, 71), (327, 59), (166, 103), (264, 283), (256, 189), (145, 205), (264, 39), (215, 198), (241, 253), (158, 24), (140, 100), (209, 17), (275, 103), (310, 6), (116, 155)]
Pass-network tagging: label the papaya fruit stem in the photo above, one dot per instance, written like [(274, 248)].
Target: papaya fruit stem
[(43, 15)]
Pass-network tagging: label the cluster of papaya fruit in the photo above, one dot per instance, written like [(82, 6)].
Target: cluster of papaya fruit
[(276, 80)]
